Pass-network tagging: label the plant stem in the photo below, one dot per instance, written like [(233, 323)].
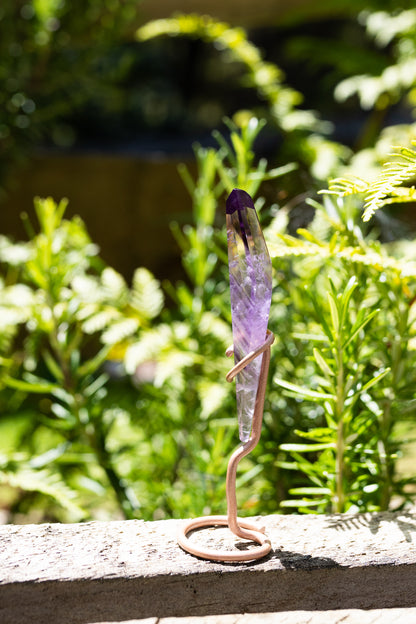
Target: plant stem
[(339, 468), (340, 444), (386, 424)]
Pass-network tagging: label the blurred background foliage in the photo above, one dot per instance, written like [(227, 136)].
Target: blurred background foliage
[(113, 400)]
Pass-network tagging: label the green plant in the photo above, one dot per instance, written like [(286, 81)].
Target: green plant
[(64, 315), (188, 348), (49, 68), (387, 188), (355, 326), (302, 130), (395, 30), (342, 305), (155, 442), (266, 77)]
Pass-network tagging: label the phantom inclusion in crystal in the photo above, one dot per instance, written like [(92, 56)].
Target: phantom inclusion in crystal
[(251, 291)]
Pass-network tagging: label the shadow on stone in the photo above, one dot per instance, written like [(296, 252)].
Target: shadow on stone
[(299, 561), (405, 522)]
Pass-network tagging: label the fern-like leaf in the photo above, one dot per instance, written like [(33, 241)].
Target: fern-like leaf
[(114, 285), (369, 257), (101, 320), (149, 347), (147, 296), (120, 330), (346, 186), (44, 482), (387, 188)]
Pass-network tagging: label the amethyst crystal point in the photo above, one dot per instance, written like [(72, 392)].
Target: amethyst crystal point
[(251, 292)]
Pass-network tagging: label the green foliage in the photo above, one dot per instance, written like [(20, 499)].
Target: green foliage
[(30, 475), (119, 405), (154, 447), (189, 350), (63, 316), (48, 67), (351, 298), (387, 188), (304, 131), (267, 78), (342, 369), (398, 31)]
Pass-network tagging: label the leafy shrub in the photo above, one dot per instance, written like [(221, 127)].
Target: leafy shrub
[(63, 316), (351, 298), (117, 403)]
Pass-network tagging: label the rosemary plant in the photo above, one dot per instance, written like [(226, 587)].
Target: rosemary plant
[(355, 327)]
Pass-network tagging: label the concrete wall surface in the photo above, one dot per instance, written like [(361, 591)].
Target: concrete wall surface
[(119, 571)]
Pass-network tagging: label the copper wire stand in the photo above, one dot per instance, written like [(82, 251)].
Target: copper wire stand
[(240, 527)]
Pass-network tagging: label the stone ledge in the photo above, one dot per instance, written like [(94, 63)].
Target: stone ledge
[(117, 571), (342, 616)]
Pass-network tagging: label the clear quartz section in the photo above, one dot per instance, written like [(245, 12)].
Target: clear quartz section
[(251, 290)]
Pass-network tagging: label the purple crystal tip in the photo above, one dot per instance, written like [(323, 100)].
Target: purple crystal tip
[(238, 200)]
